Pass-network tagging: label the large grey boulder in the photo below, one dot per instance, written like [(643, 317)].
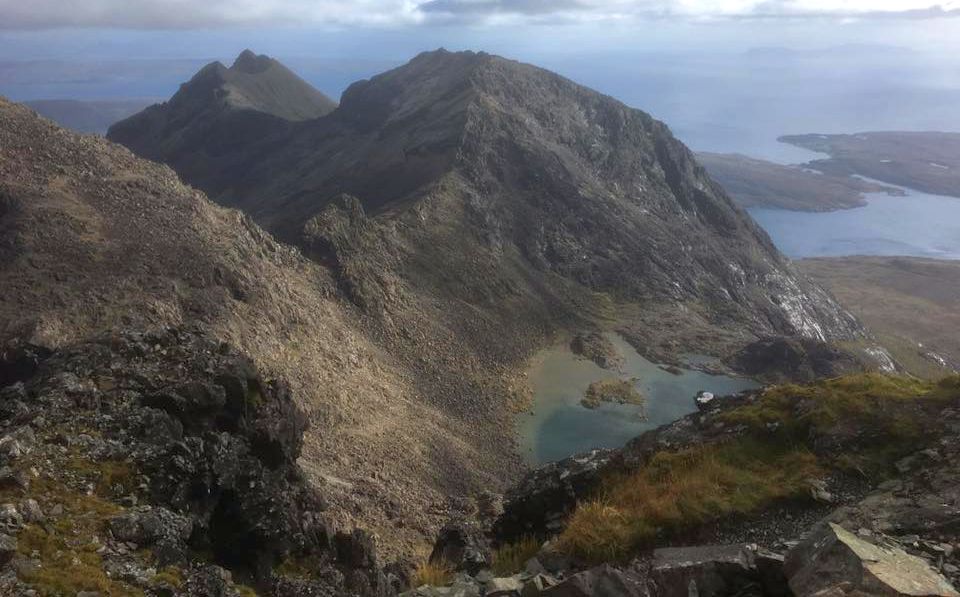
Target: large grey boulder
[(509, 586), (706, 570), (832, 557), (464, 546), (602, 581)]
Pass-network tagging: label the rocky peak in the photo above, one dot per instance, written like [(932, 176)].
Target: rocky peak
[(250, 63)]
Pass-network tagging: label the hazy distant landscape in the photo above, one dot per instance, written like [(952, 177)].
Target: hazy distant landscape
[(89, 116)]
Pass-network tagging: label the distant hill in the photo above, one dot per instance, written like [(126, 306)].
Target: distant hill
[(759, 183), (86, 116), (925, 161)]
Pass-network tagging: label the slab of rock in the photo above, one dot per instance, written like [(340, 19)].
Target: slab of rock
[(602, 581), (8, 548), (833, 557), (509, 586), (715, 570), (537, 585), (464, 546)]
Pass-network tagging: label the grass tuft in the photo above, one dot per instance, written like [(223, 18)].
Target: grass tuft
[(437, 574), (511, 558)]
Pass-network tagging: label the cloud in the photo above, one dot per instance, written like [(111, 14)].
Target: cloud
[(188, 14)]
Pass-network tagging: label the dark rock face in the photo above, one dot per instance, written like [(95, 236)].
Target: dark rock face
[(799, 359), (207, 452), (463, 545), (596, 347), (19, 361), (540, 503)]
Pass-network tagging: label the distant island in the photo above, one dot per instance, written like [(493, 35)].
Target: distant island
[(759, 183), (925, 161)]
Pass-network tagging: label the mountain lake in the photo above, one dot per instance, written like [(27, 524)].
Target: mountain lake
[(558, 426)]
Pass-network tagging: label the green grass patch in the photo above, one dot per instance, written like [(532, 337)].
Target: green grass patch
[(171, 575), (66, 547), (680, 490), (877, 417)]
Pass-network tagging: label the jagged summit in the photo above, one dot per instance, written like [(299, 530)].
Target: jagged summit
[(249, 62), (220, 108)]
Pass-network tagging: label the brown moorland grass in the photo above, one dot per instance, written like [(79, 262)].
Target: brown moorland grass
[(437, 573), (512, 557), (678, 490), (770, 463)]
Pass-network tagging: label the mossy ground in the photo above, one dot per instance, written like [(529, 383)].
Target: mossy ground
[(875, 418), (65, 547)]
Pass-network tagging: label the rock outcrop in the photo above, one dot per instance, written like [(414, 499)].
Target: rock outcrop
[(832, 558), (131, 455)]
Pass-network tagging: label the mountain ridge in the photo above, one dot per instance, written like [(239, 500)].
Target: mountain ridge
[(217, 108), (95, 241), (505, 176)]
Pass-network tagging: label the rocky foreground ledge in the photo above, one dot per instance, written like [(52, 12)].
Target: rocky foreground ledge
[(849, 486), (161, 464)]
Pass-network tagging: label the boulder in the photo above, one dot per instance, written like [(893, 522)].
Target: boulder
[(714, 570), (509, 586), (703, 399), (831, 557), (8, 548), (464, 546), (541, 502), (19, 361), (602, 581)]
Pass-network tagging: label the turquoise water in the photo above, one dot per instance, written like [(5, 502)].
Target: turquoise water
[(919, 225), (559, 426)]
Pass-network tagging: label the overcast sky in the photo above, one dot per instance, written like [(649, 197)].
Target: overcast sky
[(727, 74), (161, 14)]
